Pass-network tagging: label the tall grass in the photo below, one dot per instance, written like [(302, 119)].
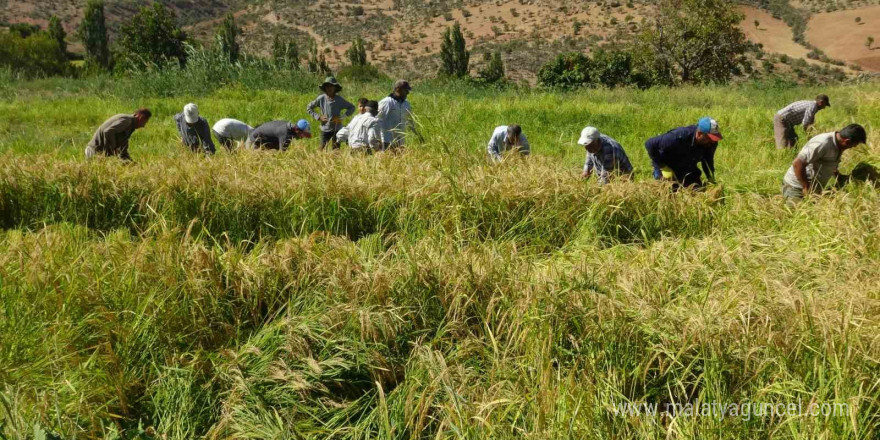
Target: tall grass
[(429, 294)]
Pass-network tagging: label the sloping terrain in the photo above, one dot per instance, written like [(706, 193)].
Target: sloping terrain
[(403, 36), (839, 33)]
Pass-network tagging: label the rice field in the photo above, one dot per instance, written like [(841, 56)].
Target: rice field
[(431, 294)]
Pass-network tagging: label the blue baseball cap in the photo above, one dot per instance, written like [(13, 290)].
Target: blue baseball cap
[(304, 126), (709, 127)]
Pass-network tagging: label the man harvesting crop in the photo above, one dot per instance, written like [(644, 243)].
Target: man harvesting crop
[(605, 156), (800, 112), (507, 138), (194, 130), (277, 135), (395, 116), (331, 107), (229, 131), (818, 161), (676, 154), (112, 136)]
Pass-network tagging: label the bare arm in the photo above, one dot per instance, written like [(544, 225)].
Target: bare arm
[(800, 171)]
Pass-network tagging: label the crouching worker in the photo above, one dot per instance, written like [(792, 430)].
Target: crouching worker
[(363, 133), (506, 138), (112, 136), (194, 130), (605, 156), (679, 153), (818, 161), (230, 132), (277, 135)]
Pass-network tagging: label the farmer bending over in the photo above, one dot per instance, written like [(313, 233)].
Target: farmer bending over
[(818, 161), (676, 154), (507, 138), (605, 156), (112, 136)]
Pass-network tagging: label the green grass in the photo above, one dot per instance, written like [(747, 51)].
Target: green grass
[(429, 294)]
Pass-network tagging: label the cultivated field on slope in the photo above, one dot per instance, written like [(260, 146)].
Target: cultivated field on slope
[(842, 37), (429, 294)]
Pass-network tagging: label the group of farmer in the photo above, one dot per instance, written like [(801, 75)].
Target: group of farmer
[(682, 155)]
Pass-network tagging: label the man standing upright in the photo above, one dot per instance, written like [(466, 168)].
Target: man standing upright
[(395, 116), (818, 161), (112, 136), (194, 130), (797, 113), (331, 107), (681, 152)]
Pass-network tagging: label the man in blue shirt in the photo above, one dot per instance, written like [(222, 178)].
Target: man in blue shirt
[(605, 156), (677, 153)]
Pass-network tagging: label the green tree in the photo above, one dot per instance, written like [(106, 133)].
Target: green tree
[(357, 53), (494, 71), (567, 71), (317, 63), (453, 53), (35, 56), (151, 37), (56, 31), (869, 42), (93, 33), (227, 37), (285, 53), (689, 46), (24, 30)]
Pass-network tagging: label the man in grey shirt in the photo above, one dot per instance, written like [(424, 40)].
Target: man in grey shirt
[(194, 130), (112, 136), (331, 107), (276, 135), (818, 161)]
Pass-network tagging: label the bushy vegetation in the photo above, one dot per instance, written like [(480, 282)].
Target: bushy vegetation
[(36, 55), (152, 38), (427, 294)]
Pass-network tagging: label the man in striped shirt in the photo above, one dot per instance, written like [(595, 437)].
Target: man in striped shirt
[(797, 113), (605, 156)]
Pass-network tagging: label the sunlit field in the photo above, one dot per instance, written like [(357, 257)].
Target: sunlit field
[(431, 294)]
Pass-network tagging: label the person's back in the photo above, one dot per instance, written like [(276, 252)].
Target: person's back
[(394, 114), (364, 132), (228, 130), (794, 114), (111, 138), (682, 151), (194, 130), (272, 135), (113, 135), (822, 157)]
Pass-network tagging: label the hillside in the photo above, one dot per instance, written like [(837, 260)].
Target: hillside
[(403, 36)]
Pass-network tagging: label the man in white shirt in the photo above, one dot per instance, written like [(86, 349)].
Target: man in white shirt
[(363, 133), (229, 131), (395, 116), (506, 138), (818, 161)]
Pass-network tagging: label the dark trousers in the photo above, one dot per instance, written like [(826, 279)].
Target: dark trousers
[(329, 136)]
